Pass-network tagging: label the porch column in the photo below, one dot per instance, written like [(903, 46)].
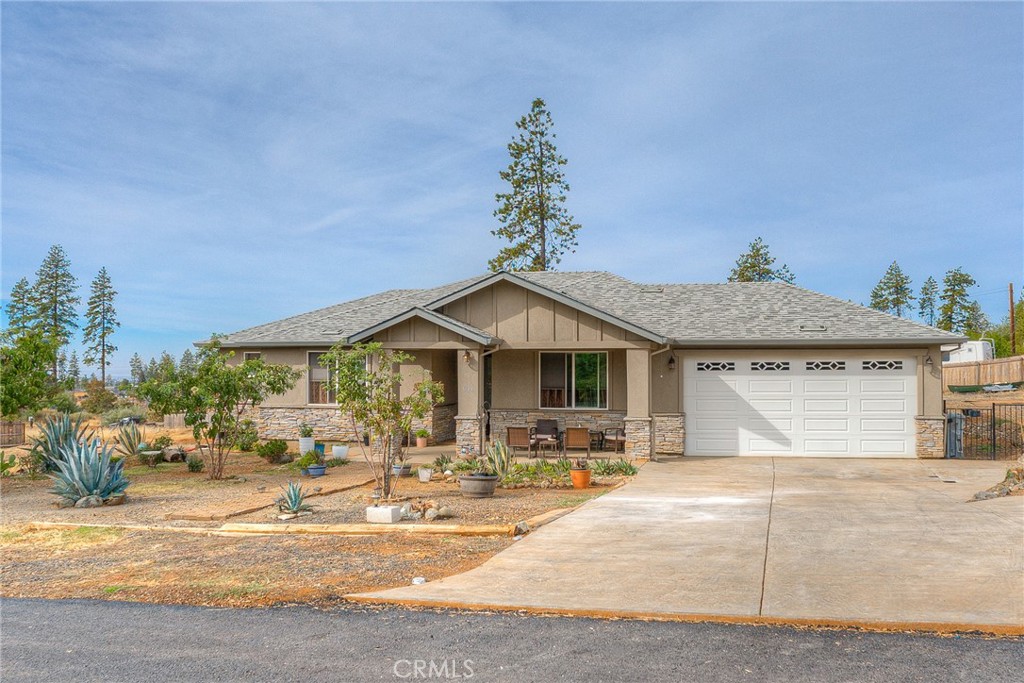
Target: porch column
[(638, 403), (469, 420)]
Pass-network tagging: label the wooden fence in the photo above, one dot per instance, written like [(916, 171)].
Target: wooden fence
[(12, 433), (174, 421), (996, 371)]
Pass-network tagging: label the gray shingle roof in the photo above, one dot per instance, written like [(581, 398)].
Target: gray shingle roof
[(733, 314)]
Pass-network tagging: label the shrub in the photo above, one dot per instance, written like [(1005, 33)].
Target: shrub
[(273, 450), (98, 399), (7, 463), (305, 430), (87, 470), (195, 463), (309, 458), (64, 402), (115, 415), (247, 436), (161, 442)]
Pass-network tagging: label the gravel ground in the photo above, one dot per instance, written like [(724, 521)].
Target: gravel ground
[(178, 568), (168, 489), (508, 506)]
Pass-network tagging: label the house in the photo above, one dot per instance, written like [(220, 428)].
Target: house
[(704, 369)]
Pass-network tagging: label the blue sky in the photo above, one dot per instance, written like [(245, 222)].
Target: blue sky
[(231, 164)]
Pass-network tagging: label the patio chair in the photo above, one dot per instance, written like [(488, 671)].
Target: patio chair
[(577, 438), (546, 435), (615, 438), (518, 437)]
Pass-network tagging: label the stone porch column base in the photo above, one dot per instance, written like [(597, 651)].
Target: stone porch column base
[(931, 436), (638, 437), (468, 429)]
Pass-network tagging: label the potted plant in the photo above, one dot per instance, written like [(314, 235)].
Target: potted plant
[(401, 468), (580, 473), (340, 451), (425, 473), (421, 437), (312, 463), (480, 483), (306, 441)]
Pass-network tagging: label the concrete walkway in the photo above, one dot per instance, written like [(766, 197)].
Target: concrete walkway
[(774, 538)]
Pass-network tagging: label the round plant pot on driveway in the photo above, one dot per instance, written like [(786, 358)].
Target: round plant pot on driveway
[(317, 470), (478, 485)]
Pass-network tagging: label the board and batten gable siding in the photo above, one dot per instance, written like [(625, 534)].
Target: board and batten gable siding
[(523, 319)]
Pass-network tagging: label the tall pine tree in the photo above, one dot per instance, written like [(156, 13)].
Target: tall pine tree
[(892, 294), (101, 321), (756, 265), (20, 310), (532, 213), (138, 369), (74, 370), (187, 363), (927, 300), (54, 297), (955, 309)]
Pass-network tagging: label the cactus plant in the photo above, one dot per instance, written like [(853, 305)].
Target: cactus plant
[(292, 500), (86, 469)]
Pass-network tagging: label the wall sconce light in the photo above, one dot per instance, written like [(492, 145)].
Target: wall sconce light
[(928, 362), (466, 357), (671, 362)]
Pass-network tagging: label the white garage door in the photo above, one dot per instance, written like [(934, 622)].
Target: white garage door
[(815, 404)]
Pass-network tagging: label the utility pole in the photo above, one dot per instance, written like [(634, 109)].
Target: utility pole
[(1013, 325)]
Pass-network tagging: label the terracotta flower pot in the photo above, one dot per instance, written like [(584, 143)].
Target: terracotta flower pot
[(421, 442), (580, 478)]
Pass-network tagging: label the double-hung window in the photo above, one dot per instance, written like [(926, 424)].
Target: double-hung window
[(574, 380)]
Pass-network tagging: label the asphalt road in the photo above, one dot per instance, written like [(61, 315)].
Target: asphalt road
[(85, 641)]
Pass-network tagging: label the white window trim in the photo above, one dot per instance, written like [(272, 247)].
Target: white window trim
[(607, 376), (309, 396)]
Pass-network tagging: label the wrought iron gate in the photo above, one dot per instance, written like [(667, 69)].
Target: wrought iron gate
[(991, 433)]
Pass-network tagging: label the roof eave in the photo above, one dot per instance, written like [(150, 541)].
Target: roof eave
[(812, 343)]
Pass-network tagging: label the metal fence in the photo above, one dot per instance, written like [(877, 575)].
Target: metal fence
[(992, 433)]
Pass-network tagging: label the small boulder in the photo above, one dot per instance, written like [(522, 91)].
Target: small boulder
[(445, 512), (431, 514), (89, 502), (65, 503), (119, 499)]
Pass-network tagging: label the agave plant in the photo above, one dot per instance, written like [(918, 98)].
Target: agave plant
[(58, 434), (130, 440), (86, 469), (292, 500), (499, 459)]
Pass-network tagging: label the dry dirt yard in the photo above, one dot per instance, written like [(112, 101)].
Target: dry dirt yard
[(241, 570)]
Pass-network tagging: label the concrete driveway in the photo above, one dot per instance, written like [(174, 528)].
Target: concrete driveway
[(774, 538)]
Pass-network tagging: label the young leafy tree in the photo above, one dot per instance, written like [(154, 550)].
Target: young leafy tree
[(756, 265), (532, 213), (926, 300), (892, 294), (955, 302), (20, 309), (215, 395), (54, 299), (366, 384), (25, 383), (101, 321)]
